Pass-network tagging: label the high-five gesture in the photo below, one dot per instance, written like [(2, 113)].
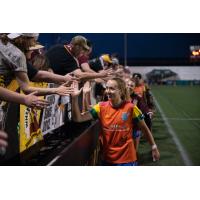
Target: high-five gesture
[(32, 100)]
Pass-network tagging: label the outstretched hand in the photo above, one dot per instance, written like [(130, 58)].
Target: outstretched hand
[(76, 92), (108, 72), (70, 78), (64, 90), (31, 100), (87, 87)]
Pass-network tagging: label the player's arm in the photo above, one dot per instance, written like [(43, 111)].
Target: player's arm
[(142, 125), (76, 114)]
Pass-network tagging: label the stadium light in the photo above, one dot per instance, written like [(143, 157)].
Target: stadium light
[(195, 52)]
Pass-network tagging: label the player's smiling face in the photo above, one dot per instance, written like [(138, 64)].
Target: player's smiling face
[(113, 91)]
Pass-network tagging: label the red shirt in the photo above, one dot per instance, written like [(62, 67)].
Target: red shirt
[(83, 59)]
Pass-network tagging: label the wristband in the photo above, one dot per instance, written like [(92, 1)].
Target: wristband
[(150, 113), (153, 147)]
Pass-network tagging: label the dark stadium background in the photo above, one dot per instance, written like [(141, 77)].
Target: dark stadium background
[(142, 48)]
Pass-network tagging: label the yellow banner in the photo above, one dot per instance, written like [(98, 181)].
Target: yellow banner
[(29, 128)]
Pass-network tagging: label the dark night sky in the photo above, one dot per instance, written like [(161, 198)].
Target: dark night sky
[(161, 45), (140, 45)]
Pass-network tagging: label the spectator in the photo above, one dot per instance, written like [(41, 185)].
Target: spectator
[(115, 58), (83, 59), (100, 63), (39, 68), (63, 58), (13, 63), (84, 63)]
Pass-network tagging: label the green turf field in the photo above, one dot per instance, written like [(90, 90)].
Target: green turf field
[(181, 107)]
